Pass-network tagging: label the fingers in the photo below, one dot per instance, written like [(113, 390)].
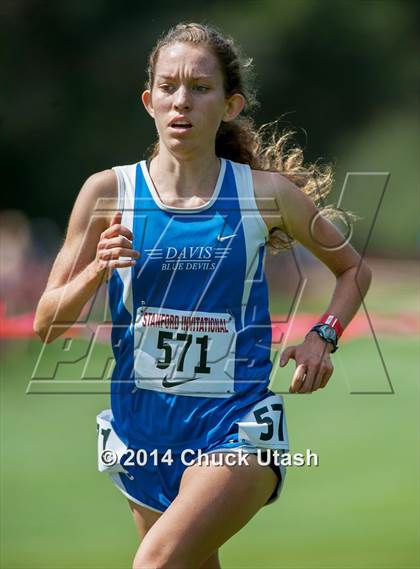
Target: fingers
[(298, 379), (308, 385), (115, 228), (317, 376), (322, 374), (115, 245), (116, 253), (108, 266), (312, 372), (326, 377), (119, 241), (116, 218), (286, 355), (119, 263), (325, 369)]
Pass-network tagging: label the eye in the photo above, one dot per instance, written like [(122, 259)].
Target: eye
[(166, 87), (201, 88)]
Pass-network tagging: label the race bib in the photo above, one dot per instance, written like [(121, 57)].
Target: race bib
[(110, 447), (265, 425), (184, 352)]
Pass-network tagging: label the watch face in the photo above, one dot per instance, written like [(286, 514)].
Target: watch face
[(329, 333)]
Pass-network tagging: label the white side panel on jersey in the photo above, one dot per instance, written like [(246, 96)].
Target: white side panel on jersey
[(255, 229), (126, 176)]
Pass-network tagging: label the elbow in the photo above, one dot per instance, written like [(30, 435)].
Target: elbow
[(360, 275), (368, 272), (42, 331), (39, 330), (364, 277), (41, 324)]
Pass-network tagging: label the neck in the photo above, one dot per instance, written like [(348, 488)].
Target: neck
[(176, 177)]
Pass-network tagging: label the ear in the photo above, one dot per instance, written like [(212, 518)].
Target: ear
[(146, 98), (234, 106)]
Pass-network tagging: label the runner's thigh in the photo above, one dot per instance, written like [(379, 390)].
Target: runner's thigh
[(213, 503), (143, 517)]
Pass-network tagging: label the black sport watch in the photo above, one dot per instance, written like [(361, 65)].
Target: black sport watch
[(327, 333)]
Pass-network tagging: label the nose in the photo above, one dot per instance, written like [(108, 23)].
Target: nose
[(182, 98)]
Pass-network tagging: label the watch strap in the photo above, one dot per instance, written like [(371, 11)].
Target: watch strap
[(331, 339), (332, 321)]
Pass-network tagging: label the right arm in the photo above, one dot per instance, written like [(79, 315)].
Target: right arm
[(94, 242)]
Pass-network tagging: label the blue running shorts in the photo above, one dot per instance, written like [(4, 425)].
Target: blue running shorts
[(152, 479)]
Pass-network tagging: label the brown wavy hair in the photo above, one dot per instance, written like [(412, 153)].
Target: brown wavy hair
[(263, 148)]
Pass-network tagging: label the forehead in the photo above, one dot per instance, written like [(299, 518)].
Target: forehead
[(187, 59)]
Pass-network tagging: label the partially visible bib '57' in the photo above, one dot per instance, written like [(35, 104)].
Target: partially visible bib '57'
[(191, 328)]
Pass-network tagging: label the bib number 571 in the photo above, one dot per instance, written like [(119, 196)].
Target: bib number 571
[(162, 344)]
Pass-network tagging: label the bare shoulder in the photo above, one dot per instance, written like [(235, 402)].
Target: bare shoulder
[(98, 196), (286, 206), (101, 190), (90, 216), (272, 193), (105, 181), (272, 184)]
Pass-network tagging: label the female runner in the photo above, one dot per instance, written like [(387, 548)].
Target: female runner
[(182, 243)]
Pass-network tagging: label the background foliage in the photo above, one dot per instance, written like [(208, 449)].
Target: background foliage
[(343, 73)]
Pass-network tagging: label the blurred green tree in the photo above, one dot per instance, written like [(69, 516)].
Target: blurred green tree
[(73, 72)]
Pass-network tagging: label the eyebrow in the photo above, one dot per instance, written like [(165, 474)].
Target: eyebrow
[(195, 78)]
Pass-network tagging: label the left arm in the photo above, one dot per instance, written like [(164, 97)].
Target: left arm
[(353, 276)]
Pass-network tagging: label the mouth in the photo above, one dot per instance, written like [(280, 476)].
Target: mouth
[(180, 125)]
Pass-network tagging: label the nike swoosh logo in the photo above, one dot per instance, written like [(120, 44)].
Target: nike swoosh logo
[(167, 383), (219, 238)]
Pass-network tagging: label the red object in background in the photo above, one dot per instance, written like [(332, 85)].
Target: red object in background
[(395, 324), (15, 327), (402, 324)]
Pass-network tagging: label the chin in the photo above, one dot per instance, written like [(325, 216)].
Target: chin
[(176, 143)]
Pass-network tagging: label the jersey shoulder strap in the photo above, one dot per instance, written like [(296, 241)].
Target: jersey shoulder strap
[(126, 177), (246, 196)]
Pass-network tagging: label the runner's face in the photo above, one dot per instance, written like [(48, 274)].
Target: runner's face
[(189, 83)]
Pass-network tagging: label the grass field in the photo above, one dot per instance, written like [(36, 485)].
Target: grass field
[(359, 508)]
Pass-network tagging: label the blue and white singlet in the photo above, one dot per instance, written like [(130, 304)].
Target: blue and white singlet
[(191, 328)]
